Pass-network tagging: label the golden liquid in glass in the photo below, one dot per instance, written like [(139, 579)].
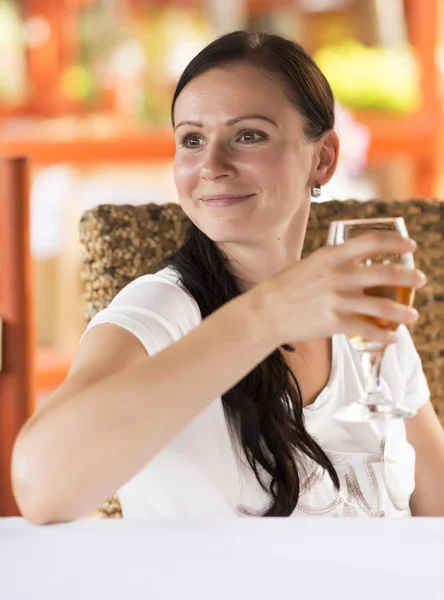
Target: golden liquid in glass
[(398, 294)]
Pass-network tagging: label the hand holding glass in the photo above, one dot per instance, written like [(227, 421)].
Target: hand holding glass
[(374, 402)]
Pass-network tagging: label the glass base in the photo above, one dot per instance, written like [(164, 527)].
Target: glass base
[(359, 412)]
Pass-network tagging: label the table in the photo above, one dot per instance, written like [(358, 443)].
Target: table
[(245, 558)]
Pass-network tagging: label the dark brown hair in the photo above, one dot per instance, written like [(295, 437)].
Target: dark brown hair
[(264, 410)]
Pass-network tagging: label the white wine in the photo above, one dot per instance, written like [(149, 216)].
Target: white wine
[(402, 295), (374, 402)]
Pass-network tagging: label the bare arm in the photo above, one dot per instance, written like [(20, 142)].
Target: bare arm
[(426, 435), (118, 407), (98, 430)]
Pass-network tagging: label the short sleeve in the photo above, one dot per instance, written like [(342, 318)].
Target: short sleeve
[(154, 308), (417, 391)]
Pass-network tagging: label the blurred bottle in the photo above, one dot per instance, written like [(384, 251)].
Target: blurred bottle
[(13, 80)]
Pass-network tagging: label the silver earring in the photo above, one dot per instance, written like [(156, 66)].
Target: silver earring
[(316, 190)]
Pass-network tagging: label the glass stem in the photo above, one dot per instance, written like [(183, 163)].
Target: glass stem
[(371, 365)]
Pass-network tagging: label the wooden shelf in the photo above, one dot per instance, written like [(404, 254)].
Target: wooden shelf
[(412, 135), (132, 149), (390, 135)]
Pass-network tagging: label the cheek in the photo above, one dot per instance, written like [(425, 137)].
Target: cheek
[(288, 172), (271, 170), (186, 174), (261, 167)]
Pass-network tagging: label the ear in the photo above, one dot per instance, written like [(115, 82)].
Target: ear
[(325, 158)]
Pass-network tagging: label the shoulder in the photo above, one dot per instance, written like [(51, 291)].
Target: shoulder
[(162, 292), (156, 307)]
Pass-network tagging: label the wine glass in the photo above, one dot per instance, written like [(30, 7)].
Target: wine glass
[(374, 402)]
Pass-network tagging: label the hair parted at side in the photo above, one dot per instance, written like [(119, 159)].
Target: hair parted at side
[(264, 410), (305, 85)]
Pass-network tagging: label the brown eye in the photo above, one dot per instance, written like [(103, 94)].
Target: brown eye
[(251, 137), (191, 140)]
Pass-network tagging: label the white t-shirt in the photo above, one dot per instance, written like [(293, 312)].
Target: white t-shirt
[(203, 472)]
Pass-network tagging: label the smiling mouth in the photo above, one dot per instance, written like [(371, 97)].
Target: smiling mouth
[(226, 200)]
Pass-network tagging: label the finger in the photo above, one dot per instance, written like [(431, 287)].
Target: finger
[(370, 244), (380, 308), (355, 326), (393, 275)]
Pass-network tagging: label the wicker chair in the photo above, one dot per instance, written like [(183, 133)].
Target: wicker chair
[(121, 243)]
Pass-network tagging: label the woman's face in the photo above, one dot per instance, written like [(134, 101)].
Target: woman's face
[(243, 168)]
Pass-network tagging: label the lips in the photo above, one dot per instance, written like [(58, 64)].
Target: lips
[(221, 200)]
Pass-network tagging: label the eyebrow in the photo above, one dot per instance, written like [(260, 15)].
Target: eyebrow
[(230, 122)]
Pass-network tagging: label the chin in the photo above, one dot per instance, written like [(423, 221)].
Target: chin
[(223, 234)]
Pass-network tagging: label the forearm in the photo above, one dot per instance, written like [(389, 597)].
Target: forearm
[(425, 433), (85, 445)]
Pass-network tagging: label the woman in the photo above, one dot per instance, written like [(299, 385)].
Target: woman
[(209, 389)]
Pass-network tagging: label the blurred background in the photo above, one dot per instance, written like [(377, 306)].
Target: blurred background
[(85, 91)]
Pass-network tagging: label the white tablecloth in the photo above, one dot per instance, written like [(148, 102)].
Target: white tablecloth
[(248, 559)]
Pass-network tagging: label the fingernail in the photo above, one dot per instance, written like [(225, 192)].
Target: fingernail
[(413, 243), (414, 313)]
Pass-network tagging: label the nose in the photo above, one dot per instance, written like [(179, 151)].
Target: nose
[(217, 163)]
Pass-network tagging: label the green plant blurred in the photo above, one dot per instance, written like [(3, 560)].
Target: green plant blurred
[(378, 78), (77, 84)]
